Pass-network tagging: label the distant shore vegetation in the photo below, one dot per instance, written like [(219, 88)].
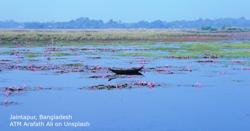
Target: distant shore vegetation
[(111, 35), (87, 23)]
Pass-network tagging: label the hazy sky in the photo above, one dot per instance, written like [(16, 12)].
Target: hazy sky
[(125, 10)]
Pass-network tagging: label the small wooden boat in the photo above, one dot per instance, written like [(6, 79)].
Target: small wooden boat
[(129, 71)]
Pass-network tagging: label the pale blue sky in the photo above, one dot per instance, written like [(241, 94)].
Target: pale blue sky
[(125, 10)]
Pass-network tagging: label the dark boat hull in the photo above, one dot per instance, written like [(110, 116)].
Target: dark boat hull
[(131, 71)]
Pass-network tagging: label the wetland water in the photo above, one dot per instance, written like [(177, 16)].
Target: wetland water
[(174, 93)]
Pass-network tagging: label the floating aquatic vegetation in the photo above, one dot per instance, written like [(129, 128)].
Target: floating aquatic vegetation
[(209, 55), (60, 54), (100, 49), (146, 84), (31, 55), (143, 54), (241, 62), (7, 91), (14, 89), (211, 50), (164, 69), (206, 61), (11, 90), (238, 81), (95, 57), (161, 69), (109, 87), (8, 103), (247, 68), (52, 49), (168, 69), (242, 45), (74, 64), (136, 84), (58, 68), (179, 57), (197, 85), (94, 68), (188, 69)]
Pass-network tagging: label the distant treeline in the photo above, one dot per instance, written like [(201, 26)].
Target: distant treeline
[(86, 23)]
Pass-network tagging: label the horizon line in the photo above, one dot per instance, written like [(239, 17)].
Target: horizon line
[(188, 20)]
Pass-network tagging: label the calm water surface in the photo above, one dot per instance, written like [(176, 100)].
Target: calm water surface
[(212, 97)]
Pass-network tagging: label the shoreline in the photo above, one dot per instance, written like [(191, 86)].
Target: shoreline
[(118, 35)]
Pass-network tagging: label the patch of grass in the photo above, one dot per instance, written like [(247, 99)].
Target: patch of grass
[(220, 54), (170, 49), (74, 64), (103, 43), (61, 54), (233, 54), (31, 55), (201, 47), (196, 50), (185, 54), (143, 54), (237, 46), (108, 35)]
